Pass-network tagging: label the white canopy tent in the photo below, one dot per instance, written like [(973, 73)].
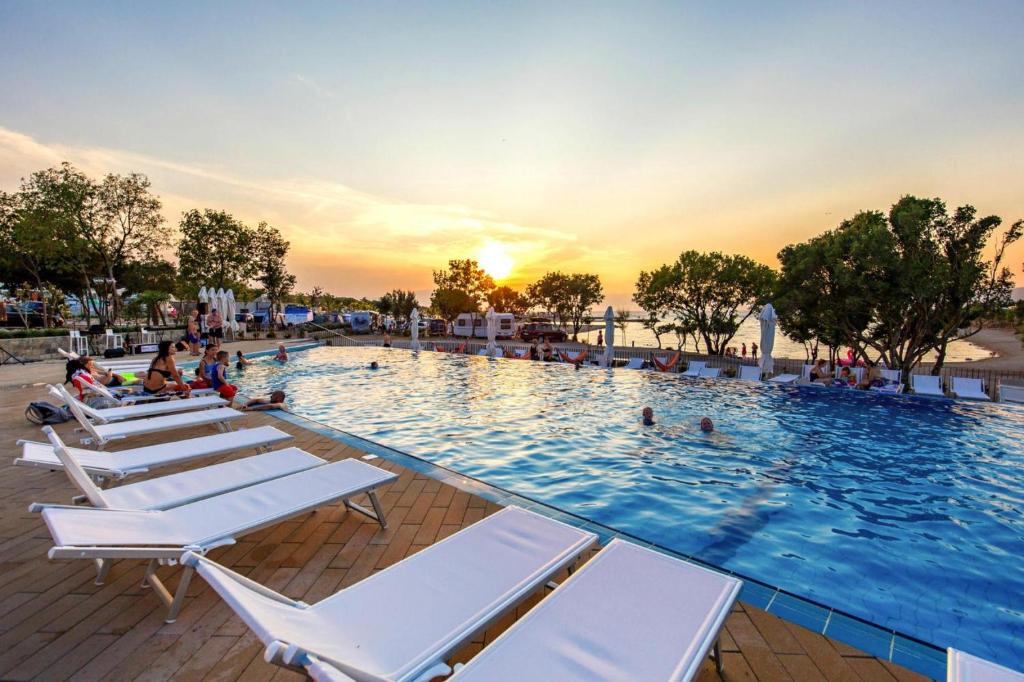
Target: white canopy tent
[(767, 318), (609, 336)]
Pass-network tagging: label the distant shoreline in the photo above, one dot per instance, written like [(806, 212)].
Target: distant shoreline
[(1009, 353)]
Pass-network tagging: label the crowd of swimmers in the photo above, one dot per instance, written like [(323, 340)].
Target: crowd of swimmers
[(647, 419)]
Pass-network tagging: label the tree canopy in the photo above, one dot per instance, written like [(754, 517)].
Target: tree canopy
[(897, 286), (708, 295)]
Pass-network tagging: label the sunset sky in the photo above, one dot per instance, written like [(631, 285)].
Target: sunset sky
[(385, 138)]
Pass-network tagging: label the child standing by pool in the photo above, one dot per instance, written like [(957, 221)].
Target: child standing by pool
[(219, 379)]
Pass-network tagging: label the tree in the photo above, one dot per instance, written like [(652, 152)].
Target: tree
[(399, 304), (581, 293), (450, 303), (153, 283), (621, 320), (705, 293), (899, 285), (216, 249), (547, 293), (270, 249), (505, 299), (26, 245)]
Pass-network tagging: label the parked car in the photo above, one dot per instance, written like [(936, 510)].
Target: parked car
[(438, 327), (536, 330), (20, 312)]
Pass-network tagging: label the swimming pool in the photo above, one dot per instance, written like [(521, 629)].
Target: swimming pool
[(908, 513)]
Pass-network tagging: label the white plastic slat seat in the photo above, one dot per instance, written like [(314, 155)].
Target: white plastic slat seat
[(104, 433), (710, 372), (963, 667), (692, 370), (138, 460), (965, 387), (926, 384), (749, 373), (635, 363), (403, 622), (784, 379), (629, 614), (161, 536)]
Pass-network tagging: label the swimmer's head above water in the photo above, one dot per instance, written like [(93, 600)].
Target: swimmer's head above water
[(648, 416), (374, 365), (706, 425)]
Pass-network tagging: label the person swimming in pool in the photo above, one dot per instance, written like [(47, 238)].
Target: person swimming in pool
[(274, 402), (374, 365), (706, 425), (648, 416)]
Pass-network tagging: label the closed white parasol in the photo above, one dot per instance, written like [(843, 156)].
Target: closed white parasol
[(414, 329), (492, 332), (609, 336), (767, 318)]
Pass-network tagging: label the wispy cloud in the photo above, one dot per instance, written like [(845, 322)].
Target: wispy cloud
[(339, 234)]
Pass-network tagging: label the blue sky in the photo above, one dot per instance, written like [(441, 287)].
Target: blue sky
[(385, 137)]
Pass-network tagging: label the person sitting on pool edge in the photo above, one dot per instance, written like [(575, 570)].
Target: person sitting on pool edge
[(648, 416), (274, 402)]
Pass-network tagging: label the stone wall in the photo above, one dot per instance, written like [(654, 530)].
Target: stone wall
[(39, 348)]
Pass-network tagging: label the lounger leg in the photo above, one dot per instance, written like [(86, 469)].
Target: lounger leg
[(179, 595), (719, 664), (377, 514), (102, 569)]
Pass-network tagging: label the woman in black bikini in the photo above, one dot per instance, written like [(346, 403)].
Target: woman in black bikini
[(162, 370)]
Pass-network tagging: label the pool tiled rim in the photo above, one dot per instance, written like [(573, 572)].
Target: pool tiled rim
[(889, 645)]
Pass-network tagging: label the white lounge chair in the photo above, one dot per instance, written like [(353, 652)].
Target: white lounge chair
[(482, 351), (635, 363), (181, 488), (101, 434), (1011, 394), (110, 415), (629, 613), (963, 667), (749, 373), (522, 352), (125, 396), (965, 387), (710, 372), (117, 465), (693, 369), (784, 379), (105, 535), (892, 376), (403, 622), (805, 372), (927, 384)]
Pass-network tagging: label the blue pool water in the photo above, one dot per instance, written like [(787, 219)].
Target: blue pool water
[(908, 513)]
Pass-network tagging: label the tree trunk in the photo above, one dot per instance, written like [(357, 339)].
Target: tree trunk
[(937, 367)]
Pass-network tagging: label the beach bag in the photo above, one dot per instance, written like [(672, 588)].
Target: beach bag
[(41, 412)]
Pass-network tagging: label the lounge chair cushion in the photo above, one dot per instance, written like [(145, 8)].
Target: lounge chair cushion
[(963, 667), (629, 614)]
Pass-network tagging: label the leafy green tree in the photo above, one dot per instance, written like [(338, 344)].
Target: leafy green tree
[(505, 299), (897, 286), (581, 293), (216, 249), (709, 295), (399, 304), (449, 303), (622, 318), (270, 250), (153, 283), (547, 293), (26, 246)]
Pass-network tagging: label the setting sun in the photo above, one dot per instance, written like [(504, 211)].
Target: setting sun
[(494, 259)]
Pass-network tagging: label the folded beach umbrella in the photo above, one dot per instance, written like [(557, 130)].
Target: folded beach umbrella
[(767, 318), (204, 296), (609, 336), (414, 329), (492, 332)]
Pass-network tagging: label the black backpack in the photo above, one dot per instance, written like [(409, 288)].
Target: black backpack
[(44, 413)]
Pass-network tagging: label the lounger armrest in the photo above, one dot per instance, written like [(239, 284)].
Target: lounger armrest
[(167, 555), (192, 559)]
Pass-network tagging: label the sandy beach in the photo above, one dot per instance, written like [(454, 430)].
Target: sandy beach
[(1004, 343)]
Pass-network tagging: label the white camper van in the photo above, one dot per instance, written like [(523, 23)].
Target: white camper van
[(476, 325)]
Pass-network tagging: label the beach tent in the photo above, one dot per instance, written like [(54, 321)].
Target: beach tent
[(414, 329), (492, 332), (609, 336), (767, 318)]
